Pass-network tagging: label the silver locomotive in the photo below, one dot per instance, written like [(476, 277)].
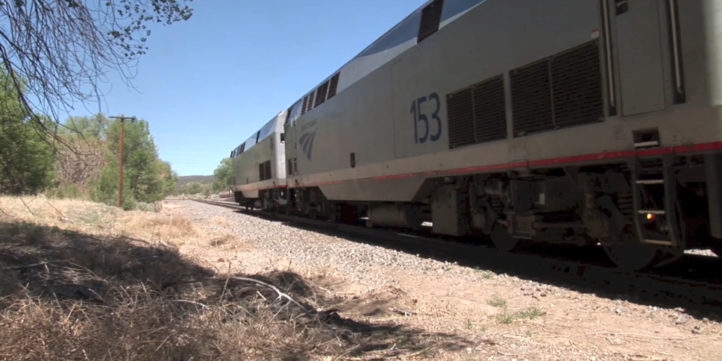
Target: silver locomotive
[(561, 121)]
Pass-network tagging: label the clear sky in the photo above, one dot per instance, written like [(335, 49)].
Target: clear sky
[(206, 84)]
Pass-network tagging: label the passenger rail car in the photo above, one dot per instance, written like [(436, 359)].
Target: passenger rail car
[(564, 121)]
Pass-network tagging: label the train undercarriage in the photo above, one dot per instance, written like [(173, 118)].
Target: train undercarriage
[(643, 212)]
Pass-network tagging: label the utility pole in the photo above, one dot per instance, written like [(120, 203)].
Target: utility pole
[(122, 119)]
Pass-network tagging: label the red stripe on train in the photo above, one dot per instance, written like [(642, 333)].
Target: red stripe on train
[(551, 161)]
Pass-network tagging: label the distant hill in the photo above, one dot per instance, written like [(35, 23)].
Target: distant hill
[(202, 179)]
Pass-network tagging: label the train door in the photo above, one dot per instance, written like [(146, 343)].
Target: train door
[(639, 54)]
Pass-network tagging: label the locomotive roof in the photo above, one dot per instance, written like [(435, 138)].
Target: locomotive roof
[(392, 43)]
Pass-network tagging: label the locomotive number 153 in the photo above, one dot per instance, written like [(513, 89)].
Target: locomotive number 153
[(430, 121)]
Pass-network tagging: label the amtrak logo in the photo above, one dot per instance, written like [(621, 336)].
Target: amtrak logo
[(306, 142)]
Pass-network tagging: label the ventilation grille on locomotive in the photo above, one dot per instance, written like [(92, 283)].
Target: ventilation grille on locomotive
[(477, 114), (560, 91)]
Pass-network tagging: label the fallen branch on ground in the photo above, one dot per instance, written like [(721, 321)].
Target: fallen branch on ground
[(275, 289), (44, 263), (404, 312), (27, 207)]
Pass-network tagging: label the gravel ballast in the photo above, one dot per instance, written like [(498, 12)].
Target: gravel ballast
[(508, 317)]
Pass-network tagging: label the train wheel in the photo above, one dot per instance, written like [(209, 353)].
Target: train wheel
[(502, 240), (631, 255)]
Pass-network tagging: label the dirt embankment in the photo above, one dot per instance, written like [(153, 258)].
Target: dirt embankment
[(85, 281)]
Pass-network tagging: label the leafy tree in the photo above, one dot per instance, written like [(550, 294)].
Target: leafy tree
[(61, 49), (54, 53), (81, 161), (145, 177), (106, 189), (85, 127), (26, 159), (169, 178), (223, 175), (194, 188)]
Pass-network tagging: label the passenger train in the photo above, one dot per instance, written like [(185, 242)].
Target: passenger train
[(558, 121)]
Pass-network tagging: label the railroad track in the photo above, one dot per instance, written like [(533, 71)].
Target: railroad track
[(693, 283)]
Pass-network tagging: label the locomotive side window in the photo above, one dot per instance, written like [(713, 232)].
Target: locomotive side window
[(266, 130), (294, 113), (430, 19), (334, 85), (287, 122), (264, 170)]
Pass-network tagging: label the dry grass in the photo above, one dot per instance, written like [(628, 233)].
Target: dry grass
[(99, 219), (159, 227), (81, 281), (70, 214)]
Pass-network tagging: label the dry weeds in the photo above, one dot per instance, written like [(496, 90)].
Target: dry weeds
[(158, 227), (84, 281)]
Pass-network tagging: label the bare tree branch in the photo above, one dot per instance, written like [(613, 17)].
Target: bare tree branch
[(281, 295), (57, 51)]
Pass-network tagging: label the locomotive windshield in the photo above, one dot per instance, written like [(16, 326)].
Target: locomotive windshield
[(294, 113)]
